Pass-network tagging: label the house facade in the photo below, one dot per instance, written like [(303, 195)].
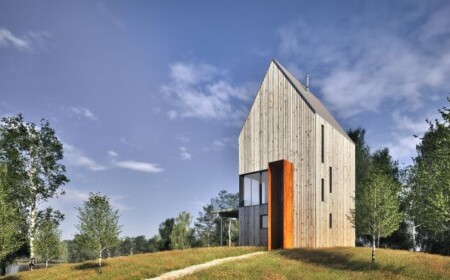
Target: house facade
[(296, 169)]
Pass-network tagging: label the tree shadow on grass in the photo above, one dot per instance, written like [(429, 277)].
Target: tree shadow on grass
[(11, 277), (89, 265), (337, 260)]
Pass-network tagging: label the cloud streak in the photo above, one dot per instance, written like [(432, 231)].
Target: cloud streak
[(32, 41), (7, 39), (77, 158), (184, 154), (139, 166), (83, 112)]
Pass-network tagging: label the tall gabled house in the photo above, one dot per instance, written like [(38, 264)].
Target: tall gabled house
[(296, 169)]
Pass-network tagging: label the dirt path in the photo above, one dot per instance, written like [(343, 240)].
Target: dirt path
[(191, 269)]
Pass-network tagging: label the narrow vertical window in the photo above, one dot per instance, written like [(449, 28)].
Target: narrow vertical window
[(331, 179), (323, 144), (331, 220), (323, 190)]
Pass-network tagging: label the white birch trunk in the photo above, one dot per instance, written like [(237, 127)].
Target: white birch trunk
[(100, 258), (32, 231)]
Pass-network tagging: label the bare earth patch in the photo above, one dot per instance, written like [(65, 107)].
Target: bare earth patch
[(191, 269)]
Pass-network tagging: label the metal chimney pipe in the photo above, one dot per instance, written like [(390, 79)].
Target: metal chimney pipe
[(307, 82)]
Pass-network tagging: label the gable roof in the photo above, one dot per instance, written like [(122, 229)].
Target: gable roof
[(312, 101)]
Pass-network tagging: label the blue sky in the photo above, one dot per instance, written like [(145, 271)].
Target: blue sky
[(148, 96)]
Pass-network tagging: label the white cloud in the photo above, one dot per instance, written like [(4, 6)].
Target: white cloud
[(83, 112), (32, 41), (220, 144), (362, 69), (202, 91), (184, 139), (173, 115), (184, 154), (403, 142), (8, 39), (139, 166), (112, 154), (75, 157)]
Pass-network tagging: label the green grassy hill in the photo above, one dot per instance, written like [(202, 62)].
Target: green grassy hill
[(333, 263)]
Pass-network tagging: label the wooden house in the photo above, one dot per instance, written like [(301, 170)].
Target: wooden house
[(296, 169)]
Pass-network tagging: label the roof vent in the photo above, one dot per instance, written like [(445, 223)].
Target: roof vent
[(307, 82)]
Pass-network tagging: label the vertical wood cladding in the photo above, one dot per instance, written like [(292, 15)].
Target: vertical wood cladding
[(281, 125)]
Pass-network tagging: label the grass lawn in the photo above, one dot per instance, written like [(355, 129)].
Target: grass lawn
[(138, 266), (333, 263)]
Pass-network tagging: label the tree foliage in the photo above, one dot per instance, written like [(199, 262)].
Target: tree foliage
[(165, 231), (377, 208), (98, 224), (182, 233), (33, 157), (11, 222), (429, 186), (206, 227), (48, 240)]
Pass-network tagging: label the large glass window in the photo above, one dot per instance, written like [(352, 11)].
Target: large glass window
[(254, 188), (264, 184)]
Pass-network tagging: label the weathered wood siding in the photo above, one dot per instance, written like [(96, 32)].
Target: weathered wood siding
[(250, 219), (340, 155), (281, 125)]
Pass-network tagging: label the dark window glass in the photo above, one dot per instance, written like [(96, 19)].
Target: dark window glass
[(323, 191), (331, 220), (264, 221), (331, 179), (247, 191), (323, 144)]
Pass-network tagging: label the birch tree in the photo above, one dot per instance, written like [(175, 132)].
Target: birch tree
[(378, 214), (430, 186), (48, 240), (98, 225), (33, 156)]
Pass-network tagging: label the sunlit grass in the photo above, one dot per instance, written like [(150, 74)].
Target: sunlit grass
[(333, 263), (138, 266)]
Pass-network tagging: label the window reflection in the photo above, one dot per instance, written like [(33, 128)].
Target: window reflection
[(254, 188)]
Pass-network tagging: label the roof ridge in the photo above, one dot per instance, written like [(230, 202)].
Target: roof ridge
[(312, 101)]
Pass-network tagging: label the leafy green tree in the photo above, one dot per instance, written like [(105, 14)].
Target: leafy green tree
[(205, 227), (33, 157), (127, 246), (165, 231), (77, 252), (377, 211), (141, 244), (429, 191), (181, 233), (154, 244), (362, 166), (98, 224), (48, 240), (11, 221)]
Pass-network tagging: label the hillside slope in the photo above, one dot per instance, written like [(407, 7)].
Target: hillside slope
[(331, 263)]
